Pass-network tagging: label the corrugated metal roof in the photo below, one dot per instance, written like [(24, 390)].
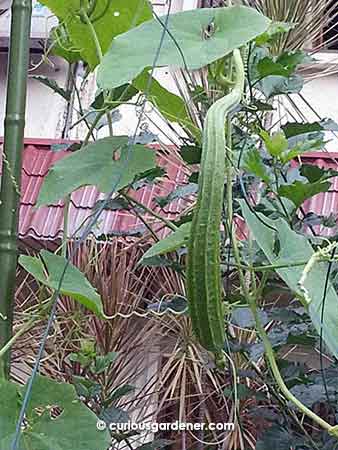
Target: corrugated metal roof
[(47, 222), (326, 203)]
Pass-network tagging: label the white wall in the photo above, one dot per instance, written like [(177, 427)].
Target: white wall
[(45, 110), (319, 101)]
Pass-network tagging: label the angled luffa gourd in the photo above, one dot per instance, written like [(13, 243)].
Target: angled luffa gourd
[(204, 289)]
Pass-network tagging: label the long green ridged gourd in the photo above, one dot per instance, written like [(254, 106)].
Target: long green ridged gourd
[(204, 288)]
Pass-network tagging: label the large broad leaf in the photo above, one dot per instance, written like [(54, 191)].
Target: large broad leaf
[(49, 269), (109, 19), (74, 428), (284, 65), (295, 248), (278, 85), (174, 241), (231, 28), (292, 129), (275, 437), (171, 106), (94, 165), (254, 164), (298, 192)]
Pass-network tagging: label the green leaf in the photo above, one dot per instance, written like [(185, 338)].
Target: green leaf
[(191, 154), (94, 165), (267, 66), (296, 248), (135, 50), (74, 427), (107, 22), (49, 268), (277, 85), (292, 129), (121, 391), (174, 241), (244, 392), (253, 163), (285, 65), (273, 32), (85, 387), (119, 96), (309, 394), (171, 106), (179, 192), (276, 144), (275, 437), (103, 362), (298, 192), (62, 46), (52, 84), (314, 173), (291, 60)]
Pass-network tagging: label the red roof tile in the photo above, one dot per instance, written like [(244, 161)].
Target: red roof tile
[(47, 222), (326, 203)]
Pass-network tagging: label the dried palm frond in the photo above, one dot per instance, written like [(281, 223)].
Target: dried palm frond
[(173, 375), (312, 19)]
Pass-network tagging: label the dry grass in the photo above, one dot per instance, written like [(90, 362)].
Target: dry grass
[(174, 377)]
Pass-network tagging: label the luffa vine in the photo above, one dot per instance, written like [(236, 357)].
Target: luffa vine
[(207, 305)]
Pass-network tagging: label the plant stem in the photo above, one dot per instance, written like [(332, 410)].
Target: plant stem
[(12, 151), (95, 38), (99, 55), (16, 336), (150, 211), (270, 353)]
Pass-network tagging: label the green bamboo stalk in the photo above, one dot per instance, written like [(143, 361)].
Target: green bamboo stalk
[(11, 173)]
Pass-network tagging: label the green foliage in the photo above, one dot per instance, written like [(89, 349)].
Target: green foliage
[(276, 437), (180, 192), (272, 34), (292, 129), (276, 144), (283, 65), (108, 22), (294, 248), (298, 192), (119, 96), (278, 85), (52, 84), (253, 163), (191, 154), (74, 427), (174, 241), (315, 173), (135, 50), (94, 165), (49, 268)]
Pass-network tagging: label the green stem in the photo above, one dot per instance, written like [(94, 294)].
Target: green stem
[(92, 30), (13, 145), (279, 380), (270, 353), (16, 336), (65, 226), (99, 55), (150, 211)]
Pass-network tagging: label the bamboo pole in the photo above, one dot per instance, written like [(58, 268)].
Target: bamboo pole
[(11, 167)]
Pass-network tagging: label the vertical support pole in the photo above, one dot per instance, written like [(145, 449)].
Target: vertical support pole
[(11, 166)]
